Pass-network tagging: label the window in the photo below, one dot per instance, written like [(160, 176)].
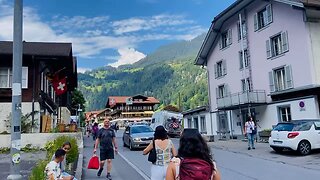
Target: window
[(189, 123), (221, 91), (6, 77), (195, 122), (246, 87), (277, 45), (246, 58), (203, 125), (220, 69), (285, 114), (244, 29), (281, 79), (263, 18), (226, 39), (317, 125)]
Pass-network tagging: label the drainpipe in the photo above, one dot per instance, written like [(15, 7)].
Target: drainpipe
[(210, 105)]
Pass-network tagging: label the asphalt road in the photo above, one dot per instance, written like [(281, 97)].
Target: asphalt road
[(234, 164)]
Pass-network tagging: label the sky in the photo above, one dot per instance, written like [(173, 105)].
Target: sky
[(111, 32)]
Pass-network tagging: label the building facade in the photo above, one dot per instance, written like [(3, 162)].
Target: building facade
[(263, 60), (199, 118), (137, 107), (40, 61)]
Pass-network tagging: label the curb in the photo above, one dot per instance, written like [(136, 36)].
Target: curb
[(78, 173)]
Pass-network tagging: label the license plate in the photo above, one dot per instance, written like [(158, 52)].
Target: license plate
[(277, 142)]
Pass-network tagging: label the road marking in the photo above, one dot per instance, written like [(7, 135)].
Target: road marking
[(134, 167)]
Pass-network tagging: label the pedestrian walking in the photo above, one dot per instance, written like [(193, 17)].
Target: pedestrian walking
[(108, 146), (52, 169), (250, 131), (194, 161), (95, 129), (165, 150), (88, 128)]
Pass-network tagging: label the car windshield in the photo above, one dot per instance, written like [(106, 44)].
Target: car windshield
[(141, 129), (284, 127)]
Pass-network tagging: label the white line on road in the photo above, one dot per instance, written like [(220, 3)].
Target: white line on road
[(134, 167)]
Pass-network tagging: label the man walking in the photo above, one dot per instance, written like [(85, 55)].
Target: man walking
[(107, 140), (249, 129)]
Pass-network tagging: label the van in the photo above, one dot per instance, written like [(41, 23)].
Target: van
[(171, 121)]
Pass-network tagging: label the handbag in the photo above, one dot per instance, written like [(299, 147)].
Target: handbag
[(93, 162), (153, 154)]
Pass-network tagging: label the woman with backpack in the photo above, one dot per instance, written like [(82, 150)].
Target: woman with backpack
[(195, 161), (165, 150)]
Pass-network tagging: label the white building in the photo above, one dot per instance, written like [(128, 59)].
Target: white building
[(267, 66)]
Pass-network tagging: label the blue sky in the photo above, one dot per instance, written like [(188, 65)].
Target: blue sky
[(112, 32)]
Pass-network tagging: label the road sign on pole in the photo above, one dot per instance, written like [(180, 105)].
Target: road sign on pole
[(16, 92)]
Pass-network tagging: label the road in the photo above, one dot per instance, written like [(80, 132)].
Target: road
[(233, 165)]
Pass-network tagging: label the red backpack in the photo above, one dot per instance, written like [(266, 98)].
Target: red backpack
[(195, 169)]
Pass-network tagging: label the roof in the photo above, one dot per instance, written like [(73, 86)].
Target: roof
[(212, 36), (39, 48), (113, 100), (196, 110)]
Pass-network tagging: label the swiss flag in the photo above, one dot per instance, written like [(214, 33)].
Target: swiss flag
[(60, 86)]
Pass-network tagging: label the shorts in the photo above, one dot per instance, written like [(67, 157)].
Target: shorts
[(106, 154)]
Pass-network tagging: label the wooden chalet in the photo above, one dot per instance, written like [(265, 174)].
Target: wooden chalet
[(40, 62)]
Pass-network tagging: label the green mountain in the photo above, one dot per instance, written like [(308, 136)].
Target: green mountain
[(167, 74)]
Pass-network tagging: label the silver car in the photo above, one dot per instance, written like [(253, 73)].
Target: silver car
[(137, 136)]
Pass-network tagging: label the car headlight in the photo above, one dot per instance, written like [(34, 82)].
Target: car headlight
[(136, 139)]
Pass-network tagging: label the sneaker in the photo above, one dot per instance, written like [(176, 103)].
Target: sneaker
[(109, 177), (99, 172), (249, 148)]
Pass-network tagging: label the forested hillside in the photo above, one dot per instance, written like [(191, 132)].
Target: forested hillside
[(164, 76)]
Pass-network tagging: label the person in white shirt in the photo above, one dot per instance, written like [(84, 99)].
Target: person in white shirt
[(249, 130), (53, 171)]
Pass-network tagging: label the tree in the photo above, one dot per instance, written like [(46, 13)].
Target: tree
[(77, 98)]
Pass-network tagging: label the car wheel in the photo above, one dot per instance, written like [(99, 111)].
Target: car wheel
[(278, 149), (130, 146), (304, 148)]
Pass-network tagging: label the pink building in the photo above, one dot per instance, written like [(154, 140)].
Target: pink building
[(267, 66)]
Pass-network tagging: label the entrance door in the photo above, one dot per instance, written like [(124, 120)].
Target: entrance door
[(223, 125), (245, 115)]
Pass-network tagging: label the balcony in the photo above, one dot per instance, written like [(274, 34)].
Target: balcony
[(233, 101)]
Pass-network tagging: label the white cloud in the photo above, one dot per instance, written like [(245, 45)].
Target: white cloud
[(147, 23), (128, 56), (83, 70)]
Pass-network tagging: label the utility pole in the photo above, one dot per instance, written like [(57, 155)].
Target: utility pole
[(16, 93)]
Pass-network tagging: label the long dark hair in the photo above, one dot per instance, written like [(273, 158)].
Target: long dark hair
[(192, 145), (160, 133)]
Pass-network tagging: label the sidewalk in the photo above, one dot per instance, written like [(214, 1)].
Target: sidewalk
[(28, 161), (120, 170)]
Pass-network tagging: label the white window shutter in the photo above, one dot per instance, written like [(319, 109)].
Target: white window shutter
[(224, 67), (256, 22), (220, 42), (284, 40), (268, 46), (215, 71), (226, 90), (240, 59), (271, 82), (289, 79), (229, 36), (217, 93), (269, 14)]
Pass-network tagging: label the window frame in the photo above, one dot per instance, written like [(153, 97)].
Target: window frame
[(9, 75), (203, 125), (263, 18), (243, 84), (246, 59), (225, 39), (287, 114)]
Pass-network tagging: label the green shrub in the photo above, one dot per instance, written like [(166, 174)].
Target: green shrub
[(4, 150), (38, 171), (51, 147)]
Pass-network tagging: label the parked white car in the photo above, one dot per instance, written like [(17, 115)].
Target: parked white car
[(298, 135)]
